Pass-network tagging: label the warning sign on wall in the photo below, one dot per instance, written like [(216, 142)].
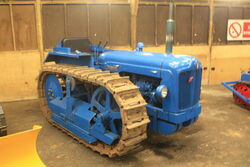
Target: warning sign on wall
[(238, 30)]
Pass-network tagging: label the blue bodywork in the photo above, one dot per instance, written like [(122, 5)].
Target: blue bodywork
[(181, 106), (180, 74), (245, 77)]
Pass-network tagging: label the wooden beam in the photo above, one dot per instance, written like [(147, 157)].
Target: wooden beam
[(88, 28), (192, 26), (210, 41), (133, 11), (12, 27), (219, 3), (39, 30), (65, 20), (110, 19), (156, 26)]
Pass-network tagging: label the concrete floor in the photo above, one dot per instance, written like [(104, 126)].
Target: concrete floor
[(221, 137)]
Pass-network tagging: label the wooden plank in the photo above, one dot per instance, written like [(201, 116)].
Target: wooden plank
[(156, 19), (19, 71), (183, 26), (162, 16), (6, 39), (134, 11), (220, 25), (39, 30), (229, 61), (210, 40), (120, 25), (25, 27), (146, 24), (12, 27), (201, 24), (109, 17), (53, 25), (98, 23), (77, 21)]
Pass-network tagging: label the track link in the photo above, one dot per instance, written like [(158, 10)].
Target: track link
[(131, 103)]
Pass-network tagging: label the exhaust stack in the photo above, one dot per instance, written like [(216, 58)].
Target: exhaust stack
[(170, 30)]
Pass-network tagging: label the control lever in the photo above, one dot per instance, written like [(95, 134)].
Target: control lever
[(99, 44), (105, 44)]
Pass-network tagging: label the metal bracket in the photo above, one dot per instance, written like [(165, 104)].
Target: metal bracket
[(227, 85), (69, 81)]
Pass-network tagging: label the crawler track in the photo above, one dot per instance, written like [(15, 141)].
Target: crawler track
[(131, 103)]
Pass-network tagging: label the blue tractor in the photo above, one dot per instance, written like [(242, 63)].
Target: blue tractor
[(107, 99), (240, 89)]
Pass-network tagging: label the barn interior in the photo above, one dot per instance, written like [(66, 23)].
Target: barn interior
[(30, 29)]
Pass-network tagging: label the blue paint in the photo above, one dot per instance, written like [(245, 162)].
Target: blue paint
[(245, 77), (180, 74)]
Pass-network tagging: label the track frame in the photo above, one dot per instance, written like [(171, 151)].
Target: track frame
[(131, 104)]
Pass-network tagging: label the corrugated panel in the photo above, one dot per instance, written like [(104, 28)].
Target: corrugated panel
[(185, 1), (191, 1), (76, 21), (146, 24), (98, 23), (183, 28), (120, 25), (220, 25), (53, 25), (246, 13), (25, 27), (6, 40), (21, 0), (162, 16), (200, 24), (230, 2), (235, 13)]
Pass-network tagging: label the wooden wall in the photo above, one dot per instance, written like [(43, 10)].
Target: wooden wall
[(105, 22), (110, 20), (30, 28)]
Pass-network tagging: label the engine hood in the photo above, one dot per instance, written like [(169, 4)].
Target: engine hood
[(147, 59), (133, 57)]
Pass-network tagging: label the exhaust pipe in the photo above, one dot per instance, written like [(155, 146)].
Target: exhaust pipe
[(170, 30)]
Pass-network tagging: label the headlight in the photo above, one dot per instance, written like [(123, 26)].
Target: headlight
[(164, 92), (161, 92)]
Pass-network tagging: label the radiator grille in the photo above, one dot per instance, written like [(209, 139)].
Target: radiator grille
[(189, 92)]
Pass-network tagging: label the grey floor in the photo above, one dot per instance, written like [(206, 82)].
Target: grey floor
[(221, 137)]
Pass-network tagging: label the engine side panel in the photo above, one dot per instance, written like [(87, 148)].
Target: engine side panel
[(181, 74)]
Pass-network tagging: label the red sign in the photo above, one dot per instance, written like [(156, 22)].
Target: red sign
[(238, 30), (246, 29), (235, 30)]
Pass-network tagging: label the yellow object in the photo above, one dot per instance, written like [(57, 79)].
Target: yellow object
[(19, 150)]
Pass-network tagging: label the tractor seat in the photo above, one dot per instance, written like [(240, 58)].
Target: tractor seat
[(80, 44)]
